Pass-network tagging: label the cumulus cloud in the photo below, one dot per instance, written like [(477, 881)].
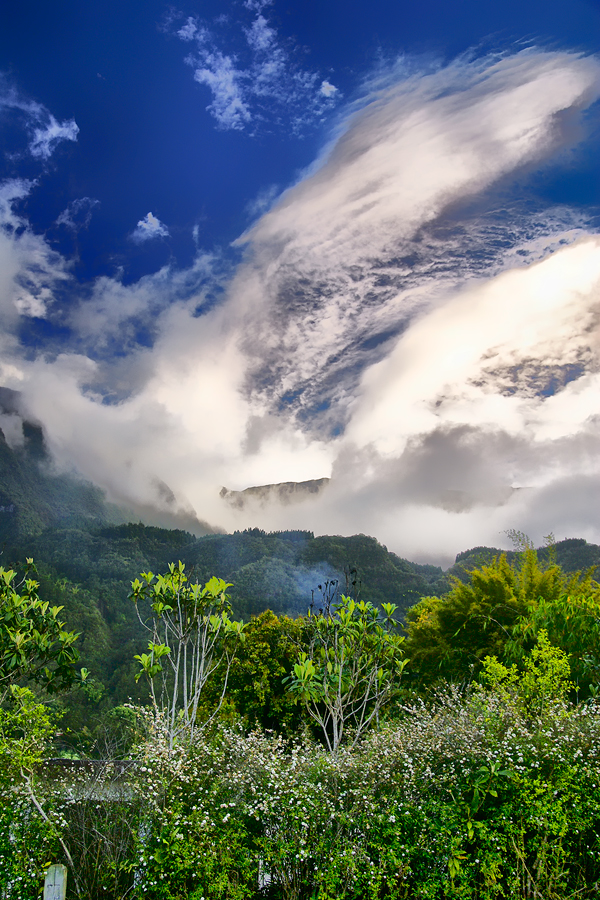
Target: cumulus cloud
[(327, 89), (262, 84), (395, 323), (148, 228)]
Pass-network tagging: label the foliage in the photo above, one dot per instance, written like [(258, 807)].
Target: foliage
[(191, 636), (33, 641), (478, 795), (350, 668), (466, 797), (256, 689), (27, 841), (572, 622), (545, 677), (497, 612), (89, 569)]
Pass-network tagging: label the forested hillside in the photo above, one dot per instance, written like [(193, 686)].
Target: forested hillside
[(368, 757), (87, 558)]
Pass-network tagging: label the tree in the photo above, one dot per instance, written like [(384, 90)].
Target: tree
[(192, 633), (499, 612), (543, 681), (34, 644), (352, 665), (256, 685)]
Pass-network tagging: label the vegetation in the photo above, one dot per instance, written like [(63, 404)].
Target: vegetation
[(191, 632), (487, 793), (33, 641), (297, 754), (500, 611), (348, 671)]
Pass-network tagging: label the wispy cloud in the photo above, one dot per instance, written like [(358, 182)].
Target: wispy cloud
[(382, 230), (78, 213), (47, 138), (45, 131), (149, 228), (31, 272), (258, 84)]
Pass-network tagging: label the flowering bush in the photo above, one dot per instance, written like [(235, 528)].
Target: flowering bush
[(473, 796), (27, 841), (478, 795)]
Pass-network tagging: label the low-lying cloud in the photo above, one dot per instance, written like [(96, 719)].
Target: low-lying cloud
[(394, 324)]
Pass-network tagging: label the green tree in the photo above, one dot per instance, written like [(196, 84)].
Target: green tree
[(34, 644), (347, 675), (191, 637), (497, 612), (572, 622), (256, 686), (544, 678)]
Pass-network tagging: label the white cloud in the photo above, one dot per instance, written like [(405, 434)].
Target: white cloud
[(327, 89), (46, 132), (30, 271), (149, 228), (188, 31), (263, 200), (218, 72), (261, 84), (352, 253), (488, 342), (46, 139), (260, 35), (454, 347), (78, 213)]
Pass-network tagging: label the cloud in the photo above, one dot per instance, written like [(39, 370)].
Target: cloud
[(188, 31), (46, 139), (327, 89), (407, 318), (381, 230), (149, 228), (260, 85), (257, 5), (45, 131), (218, 72), (30, 271), (497, 347), (78, 213)]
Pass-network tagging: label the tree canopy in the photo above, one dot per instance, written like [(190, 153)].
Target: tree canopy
[(34, 643)]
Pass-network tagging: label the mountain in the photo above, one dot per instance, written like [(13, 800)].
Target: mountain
[(87, 557), (571, 554), (285, 492), (34, 498)]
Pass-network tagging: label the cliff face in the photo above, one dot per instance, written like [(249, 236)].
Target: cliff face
[(285, 493)]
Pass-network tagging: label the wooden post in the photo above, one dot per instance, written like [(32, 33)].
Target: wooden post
[(55, 886)]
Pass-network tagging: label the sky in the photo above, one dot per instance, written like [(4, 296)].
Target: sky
[(248, 242)]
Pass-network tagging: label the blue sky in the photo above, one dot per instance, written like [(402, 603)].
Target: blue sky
[(237, 237)]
